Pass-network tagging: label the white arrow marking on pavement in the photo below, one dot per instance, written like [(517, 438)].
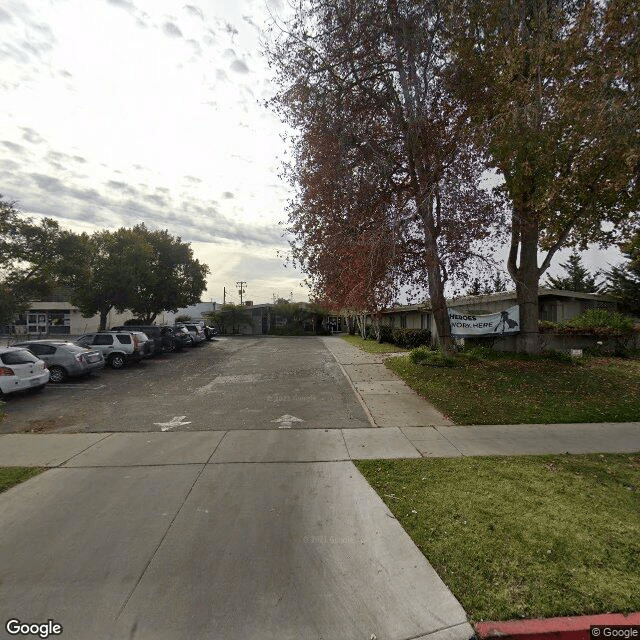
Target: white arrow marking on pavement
[(286, 421), (176, 421)]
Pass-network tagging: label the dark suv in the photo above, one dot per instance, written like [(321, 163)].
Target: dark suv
[(163, 338)]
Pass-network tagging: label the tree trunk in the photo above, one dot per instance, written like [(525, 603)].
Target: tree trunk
[(527, 287), (103, 318), (436, 294)]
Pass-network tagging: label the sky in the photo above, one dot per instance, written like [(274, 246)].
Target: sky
[(116, 112)]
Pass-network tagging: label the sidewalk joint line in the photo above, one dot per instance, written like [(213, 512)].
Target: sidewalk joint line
[(437, 428), (216, 447), (430, 633), (75, 455), (344, 440)]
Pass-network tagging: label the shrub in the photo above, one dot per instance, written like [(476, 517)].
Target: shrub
[(476, 353), (426, 356), (386, 333), (544, 326), (411, 338), (599, 322), (557, 356), (289, 330)]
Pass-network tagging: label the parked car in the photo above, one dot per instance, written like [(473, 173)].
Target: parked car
[(163, 337), (64, 359), (117, 347), (210, 332), (21, 370), (145, 342), (195, 331), (183, 335)]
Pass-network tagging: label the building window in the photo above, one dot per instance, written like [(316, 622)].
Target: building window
[(425, 321), (403, 320)]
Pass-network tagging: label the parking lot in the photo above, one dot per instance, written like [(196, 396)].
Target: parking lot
[(231, 383)]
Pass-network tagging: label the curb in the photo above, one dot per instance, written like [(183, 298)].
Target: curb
[(570, 628)]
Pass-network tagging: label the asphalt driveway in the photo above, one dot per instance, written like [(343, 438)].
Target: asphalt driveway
[(232, 383)]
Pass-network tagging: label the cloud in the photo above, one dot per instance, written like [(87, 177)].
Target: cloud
[(228, 195), (192, 179), (221, 74), (239, 67), (121, 204), (194, 10), (123, 4), (57, 187), (4, 16), (12, 146), (172, 30), (156, 199), (122, 186), (9, 165)]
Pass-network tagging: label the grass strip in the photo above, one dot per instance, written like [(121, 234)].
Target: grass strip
[(371, 346), (10, 476), (510, 390), (526, 536)]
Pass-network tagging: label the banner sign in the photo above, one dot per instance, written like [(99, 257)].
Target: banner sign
[(496, 324)]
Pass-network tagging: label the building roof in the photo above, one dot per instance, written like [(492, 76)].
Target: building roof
[(503, 296)]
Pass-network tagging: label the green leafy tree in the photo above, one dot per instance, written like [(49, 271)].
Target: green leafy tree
[(34, 258), (577, 277), (475, 288), (117, 263), (231, 316), (551, 89), (145, 271), (623, 281), (172, 277)]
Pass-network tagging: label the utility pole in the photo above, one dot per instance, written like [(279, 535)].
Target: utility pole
[(241, 289), (224, 295)]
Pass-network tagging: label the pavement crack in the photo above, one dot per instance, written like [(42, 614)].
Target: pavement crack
[(155, 551)]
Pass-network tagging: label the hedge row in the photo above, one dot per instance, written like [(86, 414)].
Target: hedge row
[(405, 338), (598, 322)]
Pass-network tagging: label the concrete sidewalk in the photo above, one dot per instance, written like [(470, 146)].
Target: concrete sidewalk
[(247, 534), (313, 445), (387, 400)]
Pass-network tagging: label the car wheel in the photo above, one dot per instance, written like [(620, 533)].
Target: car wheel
[(57, 374), (191, 342), (116, 361), (171, 347)]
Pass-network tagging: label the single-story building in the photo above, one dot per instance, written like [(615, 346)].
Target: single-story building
[(554, 305), (56, 316)]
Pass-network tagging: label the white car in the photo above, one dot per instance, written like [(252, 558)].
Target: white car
[(20, 370)]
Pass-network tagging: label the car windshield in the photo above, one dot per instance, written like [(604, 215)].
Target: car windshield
[(20, 356)]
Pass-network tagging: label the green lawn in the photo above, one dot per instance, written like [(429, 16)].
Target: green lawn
[(14, 475), (523, 537), (371, 346), (512, 390)]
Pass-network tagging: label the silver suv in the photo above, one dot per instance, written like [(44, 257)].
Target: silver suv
[(64, 359), (117, 347)]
